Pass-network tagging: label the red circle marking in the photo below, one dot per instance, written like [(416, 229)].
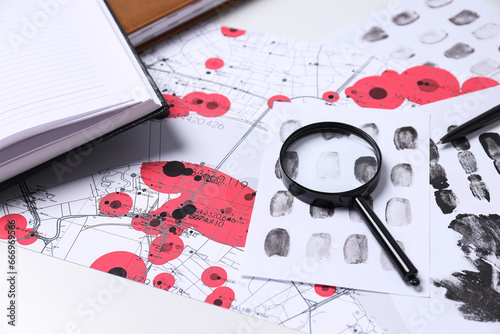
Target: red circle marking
[(325, 290), (330, 96), (164, 281), (214, 276), (115, 204), (214, 63), (279, 98), (232, 32), (122, 263), (165, 248), (222, 296)]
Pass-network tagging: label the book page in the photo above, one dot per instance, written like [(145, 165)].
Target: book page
[(61, 62)]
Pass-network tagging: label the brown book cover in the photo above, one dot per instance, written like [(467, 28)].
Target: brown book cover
[(134, 15)]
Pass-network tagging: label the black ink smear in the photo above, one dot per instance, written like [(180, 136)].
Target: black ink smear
[(434, 153), (468, 161), (354, 214), (385, 262), (398, 212), (356, 249), (458, 51), (478, 291), (281, 204), (277, 169), (318, 246), (291, 164), (405, 18), (371, 129), (176, 168), (327, 135), (406, 138), (437, 3), (464, 17), (365, 168), (321, 208), (277, 242), (461, 144), (438, 177), (288, 127), (478, 187), (446, 200), (375, 34), (402, 175), (490, 142)]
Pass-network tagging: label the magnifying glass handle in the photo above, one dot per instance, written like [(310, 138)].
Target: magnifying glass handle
[(388, 243)]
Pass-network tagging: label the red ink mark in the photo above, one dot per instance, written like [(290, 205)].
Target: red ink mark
[(425, 84), (222, 297), (232, 32), (214, 63), (16, 226), (164, 281), (279, 98), (477, 83), (214, 277), (208, 105), (325, 290), (176, 107), (382, 91), (123, 264), (210, 201), (115, 204), (165, 248), (331, 96), (27, 236)]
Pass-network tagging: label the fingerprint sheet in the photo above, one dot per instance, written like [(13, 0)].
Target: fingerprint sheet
[(458, 35), (294, 241)]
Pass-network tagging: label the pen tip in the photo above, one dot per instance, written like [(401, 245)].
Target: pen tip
[(414, 280), (439, 142)]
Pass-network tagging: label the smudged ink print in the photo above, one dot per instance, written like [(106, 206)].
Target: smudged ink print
[(491, 145), (478, 291), (445, 199)]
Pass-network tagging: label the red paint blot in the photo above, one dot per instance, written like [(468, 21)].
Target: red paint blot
[(115, 204), (214, 63), (425, 84), (210, 201), (122, 263), (325, 290), (222, 297), (208, 105), (477, 83), (164, 281), (165, 248), (383, 92), (330, 96), (17, 223), (214, 276), (279, 98), (176, 106), (232, 32)]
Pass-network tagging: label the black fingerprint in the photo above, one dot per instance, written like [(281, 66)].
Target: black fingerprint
[(406, 138), (356, 249), (437, 3), (464, 17), (405, 18), (476, 290), (434, 153), (375, 34), (461, 144), (281, 203), (446, 200), (438, 177), (365, 168), (398, 211), (327, 135), (458, 51), (291, 164), (321, 208), (490, 142), (402, 175), (371, 129), (468, 161), (287, 128), (277, 242), (478, 187), (277, 169), (318, 246)]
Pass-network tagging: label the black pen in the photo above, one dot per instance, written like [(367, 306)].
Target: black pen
[(477, 122)]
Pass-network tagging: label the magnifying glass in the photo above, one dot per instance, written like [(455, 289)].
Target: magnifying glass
[(335, 164)]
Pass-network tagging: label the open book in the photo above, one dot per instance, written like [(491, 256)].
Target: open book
[(69, 76)]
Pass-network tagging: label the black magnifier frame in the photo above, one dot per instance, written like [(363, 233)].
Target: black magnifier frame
[(350, 198)]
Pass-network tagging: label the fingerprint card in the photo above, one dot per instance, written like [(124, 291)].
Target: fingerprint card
[(331, 245), (458, 35)]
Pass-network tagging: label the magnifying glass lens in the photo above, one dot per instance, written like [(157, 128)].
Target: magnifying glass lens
[(334, 160)]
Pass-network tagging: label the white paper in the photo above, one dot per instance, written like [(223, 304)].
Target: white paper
[(457, 35), (319, 243)]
